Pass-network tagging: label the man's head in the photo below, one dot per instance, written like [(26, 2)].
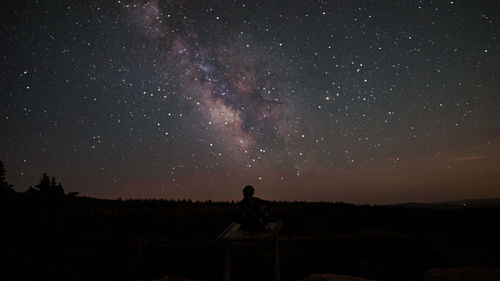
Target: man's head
[(248, 191)]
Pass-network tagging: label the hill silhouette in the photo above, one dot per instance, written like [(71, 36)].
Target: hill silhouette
[(79, 238)]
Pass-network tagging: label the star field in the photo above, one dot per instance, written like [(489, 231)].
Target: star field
[(359, 101)]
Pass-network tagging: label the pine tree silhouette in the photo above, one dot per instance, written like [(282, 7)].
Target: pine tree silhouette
[(5, 187), (44, 184), (49, 186)]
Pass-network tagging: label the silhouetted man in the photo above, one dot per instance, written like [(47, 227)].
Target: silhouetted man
[(254, 211)]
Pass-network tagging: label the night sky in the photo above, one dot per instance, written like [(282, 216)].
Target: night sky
[(355, 101)]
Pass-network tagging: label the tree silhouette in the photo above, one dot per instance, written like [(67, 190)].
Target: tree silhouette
[(5, 187), (49, 186)]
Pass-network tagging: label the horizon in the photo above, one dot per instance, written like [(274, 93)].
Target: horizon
[(237, 199), (306, 101), (460, 201)]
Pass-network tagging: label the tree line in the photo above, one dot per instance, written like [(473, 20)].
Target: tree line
[(46, 186)]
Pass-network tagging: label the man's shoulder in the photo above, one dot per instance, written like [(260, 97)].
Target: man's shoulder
[(260, 201)]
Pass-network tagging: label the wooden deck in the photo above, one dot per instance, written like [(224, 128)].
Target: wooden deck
[(233, 233)]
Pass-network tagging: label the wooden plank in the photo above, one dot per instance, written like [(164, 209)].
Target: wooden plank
[(224, 233)]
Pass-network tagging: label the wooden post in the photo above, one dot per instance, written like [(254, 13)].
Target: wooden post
[(276, 260), (233, 236), (227, 263)]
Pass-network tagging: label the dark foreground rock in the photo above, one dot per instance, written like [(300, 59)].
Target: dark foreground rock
[(174, 278), (463, 274), (334, 277)]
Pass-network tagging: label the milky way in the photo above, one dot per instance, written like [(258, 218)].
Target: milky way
[(306, 100), (239, 94)]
